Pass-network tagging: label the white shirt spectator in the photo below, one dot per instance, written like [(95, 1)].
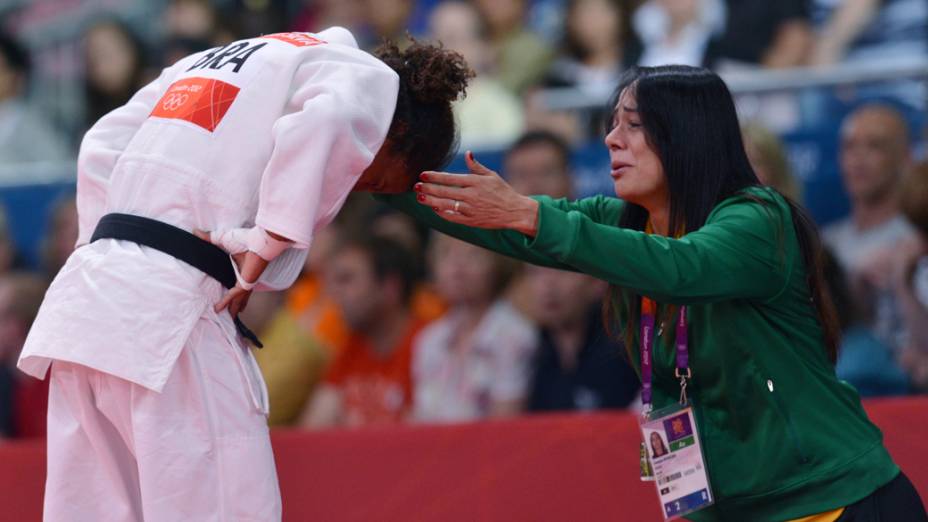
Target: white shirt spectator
[(494, 367), (853, 247), (688, 47)]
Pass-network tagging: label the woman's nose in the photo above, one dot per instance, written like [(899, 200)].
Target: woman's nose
[(614, 139)]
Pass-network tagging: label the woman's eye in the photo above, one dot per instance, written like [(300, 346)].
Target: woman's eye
[(633, 125)]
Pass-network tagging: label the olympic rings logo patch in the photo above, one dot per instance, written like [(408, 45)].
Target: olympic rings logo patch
[(200, 101), (174, 101)]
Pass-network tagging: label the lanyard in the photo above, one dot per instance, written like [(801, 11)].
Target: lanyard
[(648, 309)]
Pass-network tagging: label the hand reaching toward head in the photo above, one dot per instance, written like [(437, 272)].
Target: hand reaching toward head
[(480, 199)]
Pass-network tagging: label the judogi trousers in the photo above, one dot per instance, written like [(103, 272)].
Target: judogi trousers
[(197, 451)]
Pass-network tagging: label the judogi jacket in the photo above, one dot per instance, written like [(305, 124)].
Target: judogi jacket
[(271, 131)]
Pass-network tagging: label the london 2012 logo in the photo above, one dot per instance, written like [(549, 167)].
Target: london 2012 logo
[(200, 101), (174, 101)]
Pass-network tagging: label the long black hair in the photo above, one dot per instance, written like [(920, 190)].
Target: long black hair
[(690, 122)]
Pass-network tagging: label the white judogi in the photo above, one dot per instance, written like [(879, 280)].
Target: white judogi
[(271, 131)]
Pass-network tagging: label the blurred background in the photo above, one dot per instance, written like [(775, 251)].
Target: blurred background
[(392, 324)]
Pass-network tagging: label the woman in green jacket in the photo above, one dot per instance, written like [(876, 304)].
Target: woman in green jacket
[(783, 438)]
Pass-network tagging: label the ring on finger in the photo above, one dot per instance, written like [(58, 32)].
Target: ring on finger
[(457, 206)]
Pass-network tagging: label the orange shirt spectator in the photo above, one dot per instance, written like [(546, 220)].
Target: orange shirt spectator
[(375, 389), (371, 280), (325, 321)]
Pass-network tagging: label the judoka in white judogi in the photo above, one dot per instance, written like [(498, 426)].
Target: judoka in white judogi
[(157, 411)]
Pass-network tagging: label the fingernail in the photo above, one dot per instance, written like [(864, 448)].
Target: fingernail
[(420, 197), (435, 209), (424, 176), (418, 187)]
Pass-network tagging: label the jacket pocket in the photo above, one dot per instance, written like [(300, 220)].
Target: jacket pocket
[(791, 432)]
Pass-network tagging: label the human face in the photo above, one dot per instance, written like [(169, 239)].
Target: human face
[(464, 274), (637, 172), (502, 15), (110, 59), (537, 169), (352, 284), (595, 24), (657, 445), (457, 26), (386, 174), (873, 154), (388, 16)]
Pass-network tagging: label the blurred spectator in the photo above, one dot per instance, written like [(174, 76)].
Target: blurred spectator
[(863, 360), (316, 15), (384, 221), (9, 259), (762, 33), (24, 135), (23, 401), (592, 55), (115, 62), (192, 19), (591, 59), (769, 160), (578, 366), (490, 115), (61, 235), (539, 163), (856, 30), (388, 19), (427, 304), (911, 276), (306, 334), (521, 57), (369, 382), (677, 31), (874, 153), (572, 126), (472, 363), (250, 18)]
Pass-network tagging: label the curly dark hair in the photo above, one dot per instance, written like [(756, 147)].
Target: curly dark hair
[(431, 78)]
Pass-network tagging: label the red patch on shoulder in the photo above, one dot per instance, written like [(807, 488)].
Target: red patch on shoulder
[(297, 39), (201, 101)]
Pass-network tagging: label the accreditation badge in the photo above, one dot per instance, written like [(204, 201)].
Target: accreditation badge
[(676, 460)]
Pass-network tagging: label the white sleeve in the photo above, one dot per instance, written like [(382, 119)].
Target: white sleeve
[(283, 270), (336, 121), (101, 148)]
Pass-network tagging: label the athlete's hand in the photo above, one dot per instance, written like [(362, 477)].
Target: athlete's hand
[(235, 300), (250, 266)]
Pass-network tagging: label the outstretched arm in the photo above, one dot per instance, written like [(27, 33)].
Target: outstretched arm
[(504, 222), (738, 254)]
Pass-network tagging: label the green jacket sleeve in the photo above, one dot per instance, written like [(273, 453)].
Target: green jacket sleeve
[(506, 242), (738, 254)]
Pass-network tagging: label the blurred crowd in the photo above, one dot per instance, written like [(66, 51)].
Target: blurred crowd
[(391, 323)]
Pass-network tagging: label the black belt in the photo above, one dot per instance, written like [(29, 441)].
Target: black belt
[(178, 243)]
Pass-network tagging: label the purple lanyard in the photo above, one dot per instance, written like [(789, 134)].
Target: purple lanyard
[(647, 348)]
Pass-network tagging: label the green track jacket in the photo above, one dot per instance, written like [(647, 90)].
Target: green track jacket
[(783, 437)]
